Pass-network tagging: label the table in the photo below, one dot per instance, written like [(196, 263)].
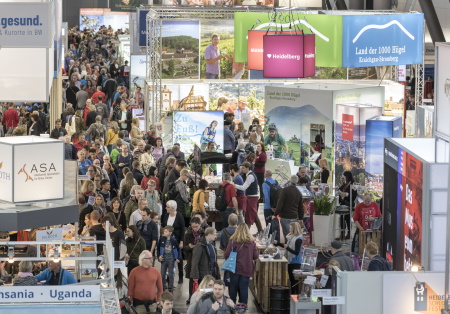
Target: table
[(304, 307), (268, 272)]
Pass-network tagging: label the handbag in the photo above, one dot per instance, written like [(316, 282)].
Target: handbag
[(129, 256), (230, 263)]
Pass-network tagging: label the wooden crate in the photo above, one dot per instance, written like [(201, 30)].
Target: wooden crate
[(368, 236), (268, 273)]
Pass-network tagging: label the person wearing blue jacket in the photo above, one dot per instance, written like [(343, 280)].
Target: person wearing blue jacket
[(55, 275), (268, 212), (293, 252), (168, 253)]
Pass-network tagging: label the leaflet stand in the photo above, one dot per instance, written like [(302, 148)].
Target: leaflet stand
[(281, 172)]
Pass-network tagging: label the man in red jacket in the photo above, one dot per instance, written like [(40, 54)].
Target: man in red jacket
[(10, 117)]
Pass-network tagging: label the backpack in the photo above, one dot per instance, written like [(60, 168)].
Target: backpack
[(386, 265), (172, 192), (275, 191), (100, 110), (221, 200), (95, 133)]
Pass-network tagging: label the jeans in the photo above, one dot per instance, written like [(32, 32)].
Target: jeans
[(224, 215), (210, 76), (167, 266), (239, 284)]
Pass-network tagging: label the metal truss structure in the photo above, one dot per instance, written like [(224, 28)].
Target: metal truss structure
[(155, 17)]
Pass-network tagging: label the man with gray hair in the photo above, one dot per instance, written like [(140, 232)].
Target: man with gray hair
[(290, 205)]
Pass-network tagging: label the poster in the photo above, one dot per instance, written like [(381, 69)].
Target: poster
[(95, 18), (410, 178), (185, 97), (198, 128), (300, 115), (125, 5), (226, 68), (180, 44), (382, 39), (350, 139), (327, 28), (138, 70), (377, 129)]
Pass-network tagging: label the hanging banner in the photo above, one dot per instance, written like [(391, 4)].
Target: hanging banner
[(25, 25), (125, 5), (142, 22), (327, 28), (286, 56), (256, 49), (384, 39), (50, 294)]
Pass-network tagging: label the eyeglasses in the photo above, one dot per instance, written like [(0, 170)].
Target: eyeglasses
[(147, 258)]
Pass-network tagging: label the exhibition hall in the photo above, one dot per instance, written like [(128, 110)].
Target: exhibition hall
[(227, 156)]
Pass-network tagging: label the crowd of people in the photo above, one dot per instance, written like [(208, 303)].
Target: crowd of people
[(155, 207)]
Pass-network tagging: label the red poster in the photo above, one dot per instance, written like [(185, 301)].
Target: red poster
[(347, 127), (411, 199)]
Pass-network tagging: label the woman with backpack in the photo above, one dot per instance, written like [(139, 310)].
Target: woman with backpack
[(198, 200), (243, 243)]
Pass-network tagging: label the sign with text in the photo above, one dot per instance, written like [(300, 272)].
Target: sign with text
[(25, 25), (289, 56), (125, 5), (333, 300), (55, 234), (142, 21), (326, 28), (33, 164), (382, 39), (347, 127), (49, 294), (256, 47)]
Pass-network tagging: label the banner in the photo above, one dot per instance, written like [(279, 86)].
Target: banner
[(142, 27), (327, 28), (26, 25), (125, 5), (256, 48), (199, 128), (383, 39), (49, 294)]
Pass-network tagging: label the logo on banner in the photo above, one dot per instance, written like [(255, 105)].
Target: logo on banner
[(6, 176), (284, 56), (42, 171), (347, 127), (374, 26), (426, 300)]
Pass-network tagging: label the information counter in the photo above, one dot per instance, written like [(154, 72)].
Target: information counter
[(268, 272)]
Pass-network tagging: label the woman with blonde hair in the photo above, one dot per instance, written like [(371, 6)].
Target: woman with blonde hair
[(112, 135), (206, 283), (240, 132), (125, 188), (87, 189), (325, 173), (243, 243), (100, 205), (135, 130), (293, 252)]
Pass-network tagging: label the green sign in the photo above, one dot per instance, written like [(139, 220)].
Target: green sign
[(125, 5), (327, 28)]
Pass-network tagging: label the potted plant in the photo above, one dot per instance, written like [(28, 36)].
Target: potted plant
[(323, 218)]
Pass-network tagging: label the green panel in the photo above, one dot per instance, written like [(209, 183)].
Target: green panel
[(328, 30)]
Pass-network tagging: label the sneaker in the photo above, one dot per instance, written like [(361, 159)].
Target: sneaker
[(180, 281)]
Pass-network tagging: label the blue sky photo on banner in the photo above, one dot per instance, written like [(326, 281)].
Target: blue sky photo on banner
[(197, 127), (385, 39)]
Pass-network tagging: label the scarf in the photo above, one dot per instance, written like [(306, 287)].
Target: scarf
[(197, 235), (145, 225)]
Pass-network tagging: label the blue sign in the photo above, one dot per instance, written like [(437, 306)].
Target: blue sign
[(385, 39), (142, 27)]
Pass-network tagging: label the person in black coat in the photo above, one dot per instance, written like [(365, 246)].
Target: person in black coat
[(35, 127), (344, 199), (123, 124)]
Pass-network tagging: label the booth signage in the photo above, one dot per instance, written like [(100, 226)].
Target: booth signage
[(333, 300), (320, 293), (55, 234), (50, 294), (327, 28), (256, 46), (125, 5), (32, 169), (142, 27), (285, 56), (25, 25), (382, 39), (347, 127)]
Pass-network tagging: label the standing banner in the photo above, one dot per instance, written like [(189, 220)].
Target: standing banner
[(26, 25), (256, 48), (327, 28), (382, 39), (142, 22), (125, 5)]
